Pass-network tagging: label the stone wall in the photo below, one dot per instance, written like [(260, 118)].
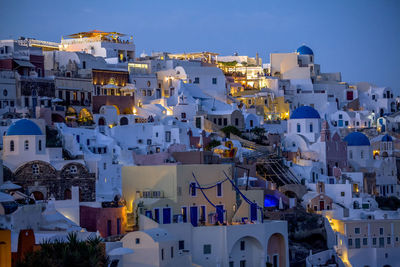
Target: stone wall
[(43, 177)]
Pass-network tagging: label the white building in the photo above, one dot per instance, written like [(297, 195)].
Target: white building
[(181, 244)]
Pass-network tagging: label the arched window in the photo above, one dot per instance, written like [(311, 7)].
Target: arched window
[(311, 127), (11, 145), (40, 145), (26, 145), (123, 121), (298, 128)]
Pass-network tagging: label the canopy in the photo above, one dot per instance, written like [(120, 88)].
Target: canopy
[(9, 186), (5, 197), (22, 63), (94, 33)]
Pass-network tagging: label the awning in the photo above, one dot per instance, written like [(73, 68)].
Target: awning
[(22, 63)]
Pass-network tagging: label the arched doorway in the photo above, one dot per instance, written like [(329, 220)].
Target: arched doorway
[(123, 121), (102, 121), (38, 195), (276, 250), (246, 251)]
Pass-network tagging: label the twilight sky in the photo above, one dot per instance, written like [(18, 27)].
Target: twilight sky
[(360, 38)]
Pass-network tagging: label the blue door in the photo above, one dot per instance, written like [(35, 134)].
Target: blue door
[(340, 123), (166, 215), (118, 226), (253, 212), (108, 227), (220, 213), (193, 215), (148, 214), (157, 215)]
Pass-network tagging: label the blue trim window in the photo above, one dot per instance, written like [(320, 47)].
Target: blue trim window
[(193, 189), (219, 190)]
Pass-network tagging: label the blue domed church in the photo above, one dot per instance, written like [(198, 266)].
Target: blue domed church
[(305, 121), (42, 171)]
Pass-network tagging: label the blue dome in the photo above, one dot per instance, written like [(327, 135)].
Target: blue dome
[(357, 139), (305, 112), (305, 50), (387, 138), (24, 127)]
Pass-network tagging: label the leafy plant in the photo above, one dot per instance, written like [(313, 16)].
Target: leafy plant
[(73, 252), (231, 129)]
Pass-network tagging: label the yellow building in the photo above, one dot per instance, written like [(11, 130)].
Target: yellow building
[(5, 248), (273, 108), (164, 192)]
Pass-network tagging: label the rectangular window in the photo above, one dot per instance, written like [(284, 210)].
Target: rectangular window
[(231, 264), (181, 244), (193, 189), (162, 254), (219, 190), (137, 240), (196, 80), (167, 136), (342, 194), (356, 230), (388, 241), (172, 252), (357, 242), (183, 115), (365, 241), (207, 249), (374, 241), (350, 242), (243, 263), (381, 231), (236, 121), (225, 121), (242, 245), (219, 121)]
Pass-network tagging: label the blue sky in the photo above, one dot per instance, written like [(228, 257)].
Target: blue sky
[(360, 38)]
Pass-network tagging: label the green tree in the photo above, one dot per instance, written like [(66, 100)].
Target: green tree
[(71, 253), (231, 129)]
